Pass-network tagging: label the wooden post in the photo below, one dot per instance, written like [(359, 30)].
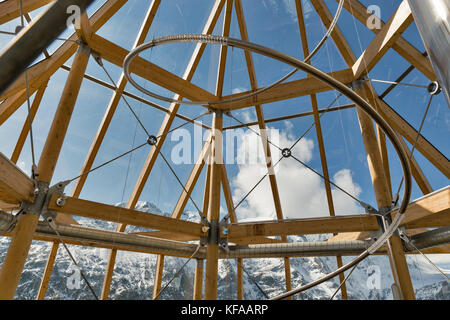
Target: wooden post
[(240, 279), (383, 196), (320, 140), (23, 233), (212, 250), (198, 280), (158, 276), (48, 271)]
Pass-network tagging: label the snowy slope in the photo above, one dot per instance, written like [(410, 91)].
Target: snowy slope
[(134, 273)]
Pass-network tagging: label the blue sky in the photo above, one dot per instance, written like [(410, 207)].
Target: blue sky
[(270, 23)]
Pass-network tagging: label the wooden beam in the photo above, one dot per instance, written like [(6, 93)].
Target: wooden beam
[(149, 71), (192, 180), (15, 185), (158, 276), (320, 140), (406, 130), (402, 46), (291, 116), (179, 208), (263, 134), (212, 249), (337, 35), (434, 203), (288, 90), (416, 171), (23, 233), (95, 210), (85, 33), (43, 70), (385, 39), (198, 280), (165, 127), (10, 9), (384, 199), (115, 99), (322, 225), (26, 126), (48, 271)]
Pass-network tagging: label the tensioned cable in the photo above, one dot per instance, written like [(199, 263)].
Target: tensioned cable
[(253, 280), (431, 262), (50, 223), (343, 282), (33, 157), (100, 63), (107, 162), (57, 38), (314, 122), (279, 160), (184, 123), (98, 60), (182, 185), (177, 273), (399, 83), (414, 145), (328, 180)]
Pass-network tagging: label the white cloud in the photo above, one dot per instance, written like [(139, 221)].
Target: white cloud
[(302, 192), (238, 90)]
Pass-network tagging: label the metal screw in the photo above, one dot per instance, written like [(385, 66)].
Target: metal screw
[(60, 202)]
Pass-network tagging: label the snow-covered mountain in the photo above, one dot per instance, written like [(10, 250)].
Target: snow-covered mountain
[(134, 273)]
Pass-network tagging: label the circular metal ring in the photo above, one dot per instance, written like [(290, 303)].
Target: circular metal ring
[(152, 140), (434, 88), (155, 43), (360, 103), (286, 152)]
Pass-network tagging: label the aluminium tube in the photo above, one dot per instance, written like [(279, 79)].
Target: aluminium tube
[(133, 242), (433, 21), (30, 42)]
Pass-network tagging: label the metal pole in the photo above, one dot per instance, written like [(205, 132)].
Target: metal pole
[(433, 21), (30, 42)]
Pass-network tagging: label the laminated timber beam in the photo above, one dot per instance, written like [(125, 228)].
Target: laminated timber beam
[(436, 203), (384, 40), (149, 71), (15, 185), (335, 224), (400, 125), (288, 90), (23, 233), (10, 9), (43, 70), (212, 249), (95, 210), (86, 32), (401, 46), (320, 139), (263, 134), (164, 129)]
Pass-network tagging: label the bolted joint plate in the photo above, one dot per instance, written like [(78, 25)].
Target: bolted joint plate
[(42, 195), (217, 234)]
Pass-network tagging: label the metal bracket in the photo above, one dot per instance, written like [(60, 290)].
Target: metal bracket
[(217, 234), (83, 47), (42, 195), (359, 84)]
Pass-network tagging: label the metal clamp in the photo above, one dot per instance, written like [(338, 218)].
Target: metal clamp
[(42, 196), (217, 234)]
